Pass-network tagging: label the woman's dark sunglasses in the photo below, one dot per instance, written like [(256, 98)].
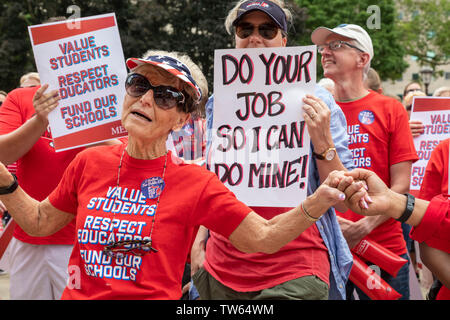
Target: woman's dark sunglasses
[(165, 97), (266, 30)]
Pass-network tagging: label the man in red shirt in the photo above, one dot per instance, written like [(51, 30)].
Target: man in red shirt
[(37, 265), (379, 137)]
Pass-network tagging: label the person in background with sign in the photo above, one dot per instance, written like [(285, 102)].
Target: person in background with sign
[(436, 175), (430, 219), (379, 137), (416, 126), (435, 182), (316, 264), (137, 219), (411, 89), (38, 265), (413, 86)]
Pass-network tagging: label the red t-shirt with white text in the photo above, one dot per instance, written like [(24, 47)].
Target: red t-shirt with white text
[(191, 196), (379, 137)]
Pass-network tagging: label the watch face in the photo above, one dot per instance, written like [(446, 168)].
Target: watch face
[(330, 155)]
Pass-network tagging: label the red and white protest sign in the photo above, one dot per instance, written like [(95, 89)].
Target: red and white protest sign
[(260, 143), (434, 113), (85, 63)]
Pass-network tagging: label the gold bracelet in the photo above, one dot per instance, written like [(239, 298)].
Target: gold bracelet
[(307, 215)]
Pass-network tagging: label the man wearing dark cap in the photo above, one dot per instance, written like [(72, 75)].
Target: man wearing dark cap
[(380, 139), (316, 264)]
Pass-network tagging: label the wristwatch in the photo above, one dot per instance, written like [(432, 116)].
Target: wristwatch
[(11, 188), (328, 154)]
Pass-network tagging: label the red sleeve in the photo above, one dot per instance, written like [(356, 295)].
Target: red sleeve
[(64, 196), (436, 173), (401, 147), (11, 116), (218, 208), (434, 229)]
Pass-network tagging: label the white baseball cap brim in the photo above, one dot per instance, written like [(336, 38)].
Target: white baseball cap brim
[(351, 31)]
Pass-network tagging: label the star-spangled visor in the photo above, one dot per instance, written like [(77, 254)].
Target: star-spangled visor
[(172, 65)]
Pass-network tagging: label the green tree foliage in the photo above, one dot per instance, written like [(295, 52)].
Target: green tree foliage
[(195, 27), (16, 55), (388, 51), (425, 30)]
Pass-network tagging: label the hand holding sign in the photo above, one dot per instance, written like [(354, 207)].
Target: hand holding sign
[(434, 115), (417, 128), (45, 102), (317, 117)]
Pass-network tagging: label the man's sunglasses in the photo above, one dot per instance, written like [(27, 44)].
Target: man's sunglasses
[(266, 30), (165, 97)]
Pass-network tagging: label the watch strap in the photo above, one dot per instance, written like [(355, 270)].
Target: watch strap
[(318, 156), (11, 188), (410, 201), (322, 156)]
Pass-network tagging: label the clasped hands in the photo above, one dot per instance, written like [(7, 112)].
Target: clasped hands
[(365, 193)]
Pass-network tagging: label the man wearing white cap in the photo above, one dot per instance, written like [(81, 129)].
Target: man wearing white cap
[(379, 137)]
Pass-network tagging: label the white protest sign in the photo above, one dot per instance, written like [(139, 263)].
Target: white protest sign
[(434, 113), (260, 143), (86, 65)]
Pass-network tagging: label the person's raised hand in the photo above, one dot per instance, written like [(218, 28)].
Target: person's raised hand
[(417, 128), (45, 102), (317, 117)]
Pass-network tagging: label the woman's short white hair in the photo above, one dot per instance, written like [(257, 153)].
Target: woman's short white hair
[(195, 70), (232, 14)]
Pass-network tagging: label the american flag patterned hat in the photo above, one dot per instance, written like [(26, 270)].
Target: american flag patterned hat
[(172, 65)]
